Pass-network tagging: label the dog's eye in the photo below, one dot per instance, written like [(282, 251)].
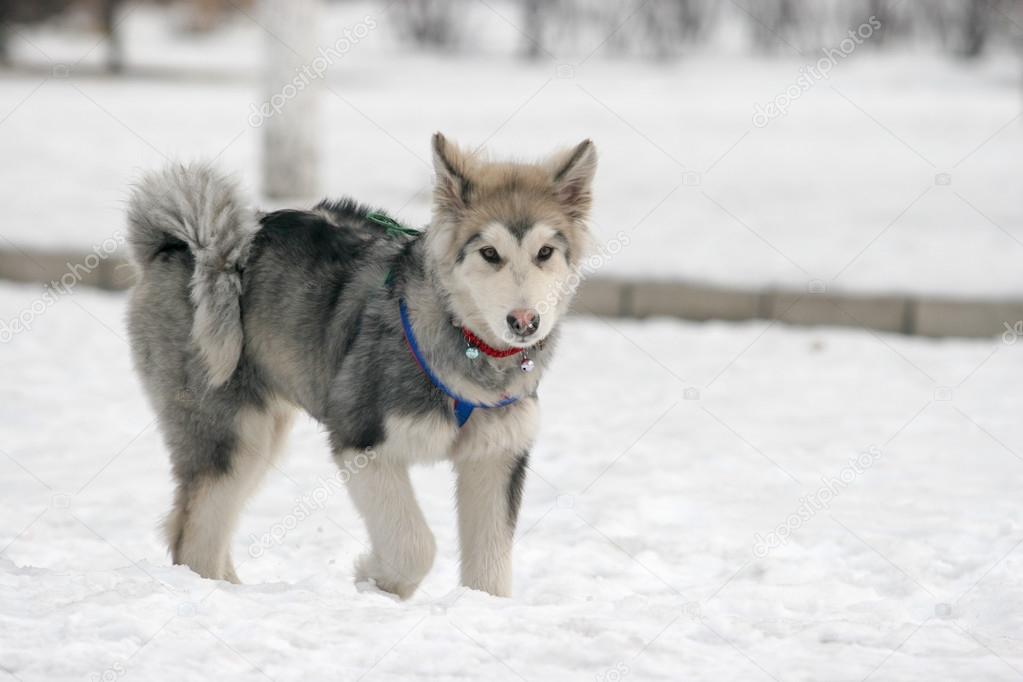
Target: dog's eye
[(544, 253), (490, 254)]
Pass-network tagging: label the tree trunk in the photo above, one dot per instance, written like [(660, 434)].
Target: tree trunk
[(532, 21), (108, 24), (291, 103), (878, 9), (975, 28)]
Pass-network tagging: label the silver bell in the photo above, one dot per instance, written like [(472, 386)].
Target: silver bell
[(527, 365), (472, 352)]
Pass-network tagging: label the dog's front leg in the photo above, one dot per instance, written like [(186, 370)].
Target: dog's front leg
[(489, 492), (403, 547)]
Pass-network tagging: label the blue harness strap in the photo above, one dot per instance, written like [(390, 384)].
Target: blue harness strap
[(463, 408)]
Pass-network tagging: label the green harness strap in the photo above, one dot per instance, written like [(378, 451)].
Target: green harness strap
[(394, 228)]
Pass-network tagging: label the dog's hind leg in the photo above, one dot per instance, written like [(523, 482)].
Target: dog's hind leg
[(403, 547), (216, 475)]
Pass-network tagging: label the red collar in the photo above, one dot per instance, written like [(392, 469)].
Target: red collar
[(477, 342)]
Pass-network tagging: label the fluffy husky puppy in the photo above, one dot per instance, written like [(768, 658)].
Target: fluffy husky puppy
[(407, 347)]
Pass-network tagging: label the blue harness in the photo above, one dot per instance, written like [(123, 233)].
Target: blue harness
[(463, 408)]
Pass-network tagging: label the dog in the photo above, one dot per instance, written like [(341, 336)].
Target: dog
[(406, 346)]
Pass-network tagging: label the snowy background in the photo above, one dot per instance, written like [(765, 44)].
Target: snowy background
[(844, 188), (665, 532)]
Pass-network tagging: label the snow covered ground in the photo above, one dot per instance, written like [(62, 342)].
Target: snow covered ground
[(673, 459), (898, 173)]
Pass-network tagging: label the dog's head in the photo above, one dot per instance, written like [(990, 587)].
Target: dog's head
[(506, 239)]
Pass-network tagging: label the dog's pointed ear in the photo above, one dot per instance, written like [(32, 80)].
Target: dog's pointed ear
[(452, 186), (572, 174)]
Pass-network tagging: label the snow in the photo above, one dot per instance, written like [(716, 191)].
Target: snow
[(637, 554), (895, 174)]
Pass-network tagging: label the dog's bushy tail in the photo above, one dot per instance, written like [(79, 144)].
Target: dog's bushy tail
[(197, 205)]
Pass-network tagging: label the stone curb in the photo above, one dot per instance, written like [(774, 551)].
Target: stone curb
[(917, 315)]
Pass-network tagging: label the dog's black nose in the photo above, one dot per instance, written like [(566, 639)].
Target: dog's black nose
[(523, 321)]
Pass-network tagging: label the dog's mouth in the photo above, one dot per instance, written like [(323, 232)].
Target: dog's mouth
[(523, 342)]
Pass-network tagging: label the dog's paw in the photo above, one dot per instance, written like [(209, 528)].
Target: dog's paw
[(369, 568)]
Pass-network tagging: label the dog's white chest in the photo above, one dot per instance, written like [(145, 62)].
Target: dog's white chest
[(417, 438), (489, 432), (499, 432)]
